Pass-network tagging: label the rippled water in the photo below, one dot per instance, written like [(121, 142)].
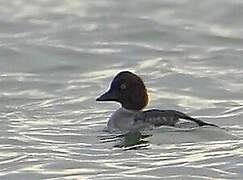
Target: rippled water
[(56, 57)]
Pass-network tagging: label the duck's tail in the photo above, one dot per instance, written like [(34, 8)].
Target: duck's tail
[(198, 121)]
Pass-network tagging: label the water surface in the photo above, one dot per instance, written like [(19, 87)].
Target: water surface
[(56, 57)]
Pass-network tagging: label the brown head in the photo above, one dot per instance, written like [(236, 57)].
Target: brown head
[(128, 89)]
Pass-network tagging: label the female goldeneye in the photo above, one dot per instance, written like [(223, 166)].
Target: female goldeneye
[(129, 90)]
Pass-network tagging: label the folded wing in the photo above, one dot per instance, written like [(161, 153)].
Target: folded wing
[(167, 118)]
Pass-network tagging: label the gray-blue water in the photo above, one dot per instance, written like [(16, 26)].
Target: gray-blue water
[(56, 57)]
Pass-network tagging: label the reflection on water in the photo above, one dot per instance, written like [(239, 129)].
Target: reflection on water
[(57, 56), (167, 135), (130, 140)]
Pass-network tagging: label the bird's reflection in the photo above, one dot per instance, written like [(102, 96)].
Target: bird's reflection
[(131, 140)]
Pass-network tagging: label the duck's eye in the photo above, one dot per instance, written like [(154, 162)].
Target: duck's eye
[(123, 86)]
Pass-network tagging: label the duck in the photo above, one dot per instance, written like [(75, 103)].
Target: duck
[(129, 90)]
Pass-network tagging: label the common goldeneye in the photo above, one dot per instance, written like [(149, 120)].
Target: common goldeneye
[(129, 90)]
